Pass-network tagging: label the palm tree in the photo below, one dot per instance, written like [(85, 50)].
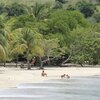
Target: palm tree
[(3, 42), (2, 53), (27, 39), (17, 47), (34, 44), (40, 10)]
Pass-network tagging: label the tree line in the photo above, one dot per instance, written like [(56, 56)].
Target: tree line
[(50, 32)]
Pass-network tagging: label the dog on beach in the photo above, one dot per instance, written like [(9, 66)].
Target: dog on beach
[(65, 76), (43, 74)]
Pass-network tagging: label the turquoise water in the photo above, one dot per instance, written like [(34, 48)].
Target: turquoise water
[(76, 88)]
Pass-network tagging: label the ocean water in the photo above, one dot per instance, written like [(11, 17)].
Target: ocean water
[(75, 88)]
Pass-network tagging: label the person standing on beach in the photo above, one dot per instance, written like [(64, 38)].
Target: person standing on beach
[(33, 61)]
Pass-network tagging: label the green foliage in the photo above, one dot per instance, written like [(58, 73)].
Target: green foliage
[(84, 45), (2, 53), (98, 1), (62, 1), (26, 2), (71, 7), (62, 21), (87, 9), (16, 9), (3, 41), (39, 10), (97, 17), (2, 8), (58, 5), (24, 21), (42, 31)]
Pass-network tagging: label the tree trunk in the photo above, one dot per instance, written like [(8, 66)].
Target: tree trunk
[(28, 64), (81, 64), (66, 60), (17, 60), (48, 59), (41, 64), (4, 64), (28, 61)]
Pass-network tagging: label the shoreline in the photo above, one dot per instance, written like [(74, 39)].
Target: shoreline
[(11, 77)]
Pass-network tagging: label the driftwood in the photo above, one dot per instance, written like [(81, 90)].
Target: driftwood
[(48, 59)]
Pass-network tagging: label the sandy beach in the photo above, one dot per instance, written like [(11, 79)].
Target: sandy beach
[(11, 77)]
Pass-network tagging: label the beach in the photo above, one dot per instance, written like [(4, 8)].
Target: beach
[(11, 77)]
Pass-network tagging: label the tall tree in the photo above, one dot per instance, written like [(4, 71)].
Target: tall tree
[(84, 45), (16, 46), (3, 41), (32, 40), (28, 39), (40, 11), (62, 21)]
